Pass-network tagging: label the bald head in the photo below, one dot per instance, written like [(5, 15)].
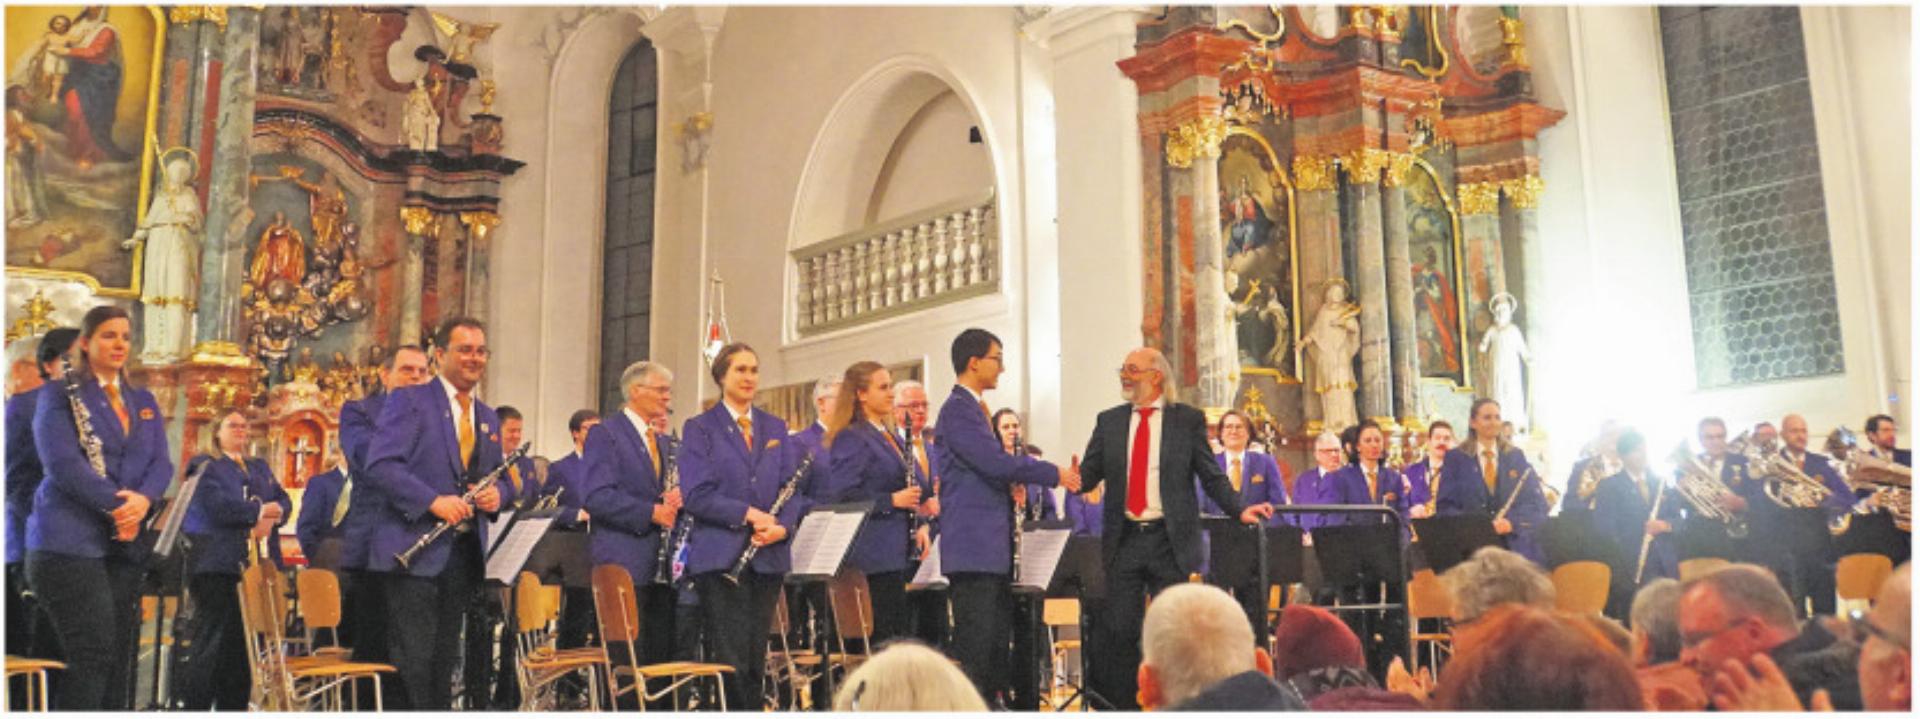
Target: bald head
[(1793, 432), (1892, 611)]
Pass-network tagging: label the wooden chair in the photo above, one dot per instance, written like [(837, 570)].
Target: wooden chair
[(35, 673), (852, 619), (795, 668), (1857, 578), (1691, 569), (541, 665), (617, 605), (1581, 587), (1427, 600), (1059, 614), (319, 607), (287, 683)]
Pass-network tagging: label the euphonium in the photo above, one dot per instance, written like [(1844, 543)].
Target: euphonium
[(1786, 484), (1599, 466), (1889, 486), (1703, 491)]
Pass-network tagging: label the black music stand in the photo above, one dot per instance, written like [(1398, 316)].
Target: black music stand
[(1447, 541), (1875, 533), (1038, 571), (822, 561), (1080, 575), (1364, 552), (1571, 539), (1270, 553), (561, 558), (1699, 537)]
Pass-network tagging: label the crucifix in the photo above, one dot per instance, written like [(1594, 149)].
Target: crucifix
[(301, 450)]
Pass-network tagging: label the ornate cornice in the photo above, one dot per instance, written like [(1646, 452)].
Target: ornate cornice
[(1313, 172), (1364, 164), (1195, 139), (1195, 52), (1483, 198), (417, 219), (1524, 192), (1522, 121), (189, 14), (1479, 198)]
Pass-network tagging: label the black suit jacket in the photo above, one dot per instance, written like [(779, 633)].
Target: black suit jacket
[(1184, 457)]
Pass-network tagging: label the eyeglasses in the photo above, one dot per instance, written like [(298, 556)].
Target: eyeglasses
[(1692, 639), (912, 405), (1130, 369), (470, 351), (1863, 627)]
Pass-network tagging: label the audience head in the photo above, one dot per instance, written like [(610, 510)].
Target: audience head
[(1886, 653), (1492, 577), (908, 676), (1187, 644), (1656, 622), (1733, 613), (1315, 652), (1529, 658)]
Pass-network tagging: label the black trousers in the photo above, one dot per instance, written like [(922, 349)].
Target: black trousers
[(95, 607), (737, 617), (930, 618), (366, 594), (19, 611), (985, 602), (1803, 558), (216, 674), (424, 618), (891, 612), (1143, 565)]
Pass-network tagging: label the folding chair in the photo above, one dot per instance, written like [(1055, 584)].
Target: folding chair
[(283, 683), (540, 665), (1857, 578), (1581, 587), (852, 619), (618, 608), (1700, 567), (796, 668), (1427, 600), (319, 607), (35, 673), (1058, 615)]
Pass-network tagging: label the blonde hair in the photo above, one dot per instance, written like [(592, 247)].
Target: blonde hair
[(908, 676), (847, 409)]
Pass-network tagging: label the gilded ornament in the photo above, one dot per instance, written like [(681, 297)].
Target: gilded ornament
[(1313, 172), (1524, 191), (1510, 36), (1363, 165), (1479, 198), (417, 219), (188, 14), (1398, 165), (488, 92), (1194, 139), (39, 318)]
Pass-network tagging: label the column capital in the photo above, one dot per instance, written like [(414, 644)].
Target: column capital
[(685, 29)]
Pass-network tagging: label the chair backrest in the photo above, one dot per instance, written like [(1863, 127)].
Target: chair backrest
[(1858, 576), (528, 614), (615, 604), (1581, 587), (852, 610), (319, 591), (1427, 598), (1691, 569), (1061, 612)]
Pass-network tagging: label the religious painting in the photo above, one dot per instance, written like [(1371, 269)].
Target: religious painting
[(299, 48), (1433, 239), (1257, 226), (82, 91)]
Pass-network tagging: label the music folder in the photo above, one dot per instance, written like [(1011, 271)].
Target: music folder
[(825, 534), (1039, 556), (1447, 541), (929, 575), (510, 554)]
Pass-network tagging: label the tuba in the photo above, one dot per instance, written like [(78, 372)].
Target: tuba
[(1703, 491), (1889, 486), (1785, 484)]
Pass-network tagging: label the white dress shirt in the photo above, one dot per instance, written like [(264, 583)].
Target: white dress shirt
[(1154, 424)]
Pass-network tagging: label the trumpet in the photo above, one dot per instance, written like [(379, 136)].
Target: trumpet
[(405, 558), (1704, 492)]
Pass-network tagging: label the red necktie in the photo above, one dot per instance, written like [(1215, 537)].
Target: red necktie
[(1137, 466)]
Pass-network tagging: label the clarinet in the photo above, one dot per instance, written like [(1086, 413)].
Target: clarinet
[(83, 420), (1019, 450), (670, 543), (406, 558), (787, 490), (913, 515)]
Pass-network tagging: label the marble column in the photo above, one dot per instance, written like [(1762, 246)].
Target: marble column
[(480, 226), (1321, 254), (1400, 321), (1370, 289), (1485, 275), (1213, 336), (413, 271), (224, 254)]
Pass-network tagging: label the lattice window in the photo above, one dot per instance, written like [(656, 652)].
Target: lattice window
[(1759, 266), (626, 309)]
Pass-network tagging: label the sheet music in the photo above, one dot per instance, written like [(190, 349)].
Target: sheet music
[(821, 544), (930, 574), (504, 564), (494, 535), (1040, 551)]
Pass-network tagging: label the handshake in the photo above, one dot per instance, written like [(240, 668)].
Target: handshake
[(1070, 475)]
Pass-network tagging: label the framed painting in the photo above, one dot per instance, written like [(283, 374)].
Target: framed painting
[(83, 86), (1258, 226), (1433, 237)]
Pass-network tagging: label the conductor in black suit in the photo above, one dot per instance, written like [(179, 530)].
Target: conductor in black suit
[(1153, 450)]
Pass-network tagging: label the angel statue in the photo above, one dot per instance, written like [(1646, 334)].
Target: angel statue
[(1505, 349), (460, 36), (171, 262), (1334, 337)]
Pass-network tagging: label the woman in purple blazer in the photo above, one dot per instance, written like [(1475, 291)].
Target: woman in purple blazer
[(870, 465), (238, 503), (81, 558)]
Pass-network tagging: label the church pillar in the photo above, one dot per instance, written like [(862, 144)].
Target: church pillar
[(413, 272), (1321, 254), (479, 224), (224, 251), (1400, 320), (1486, 274), (1364, 167)]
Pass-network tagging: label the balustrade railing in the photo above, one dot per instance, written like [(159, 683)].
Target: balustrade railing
[(944, 254)]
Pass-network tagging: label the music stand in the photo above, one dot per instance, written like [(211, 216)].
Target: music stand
[(1447, 541), (1570, 539), (820, 546), (1270, 553), (1364, 550), (1875, 533), (561, 558), (1080, 575)]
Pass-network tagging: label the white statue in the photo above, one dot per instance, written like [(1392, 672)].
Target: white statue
[(169, 278), (422, 121), (1334, 337), (1506, 355)]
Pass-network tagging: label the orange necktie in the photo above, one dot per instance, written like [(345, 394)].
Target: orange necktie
[(987, 413), (746, 430), (119, 407), (1234, 474), (653, 450), (920, 455), (466, 429), (1486, 471)]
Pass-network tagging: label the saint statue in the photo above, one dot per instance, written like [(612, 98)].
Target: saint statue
[(421, 122), (341, 381), (1334, 338), (280, 254), (1505, 350), (327, 204), (171, 232), (305, 369)]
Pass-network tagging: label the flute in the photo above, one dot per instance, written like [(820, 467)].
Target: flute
[(1646, 541)]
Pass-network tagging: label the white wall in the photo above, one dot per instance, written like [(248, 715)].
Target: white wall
[(1619, 341), (931, 163)]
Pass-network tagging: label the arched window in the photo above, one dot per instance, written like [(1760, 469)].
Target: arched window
[(626, 297)]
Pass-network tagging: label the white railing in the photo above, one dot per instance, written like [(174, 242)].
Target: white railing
[(944, 254)]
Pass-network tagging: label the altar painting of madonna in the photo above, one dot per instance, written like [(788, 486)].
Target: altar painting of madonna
[(1431, 236), (80, 99), (1256, 226)]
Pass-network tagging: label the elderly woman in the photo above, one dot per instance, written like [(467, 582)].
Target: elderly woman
[(1492, 577), (1528, 658), (908, 677)]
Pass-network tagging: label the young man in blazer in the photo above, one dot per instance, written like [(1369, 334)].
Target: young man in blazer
[(1153, 450)]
